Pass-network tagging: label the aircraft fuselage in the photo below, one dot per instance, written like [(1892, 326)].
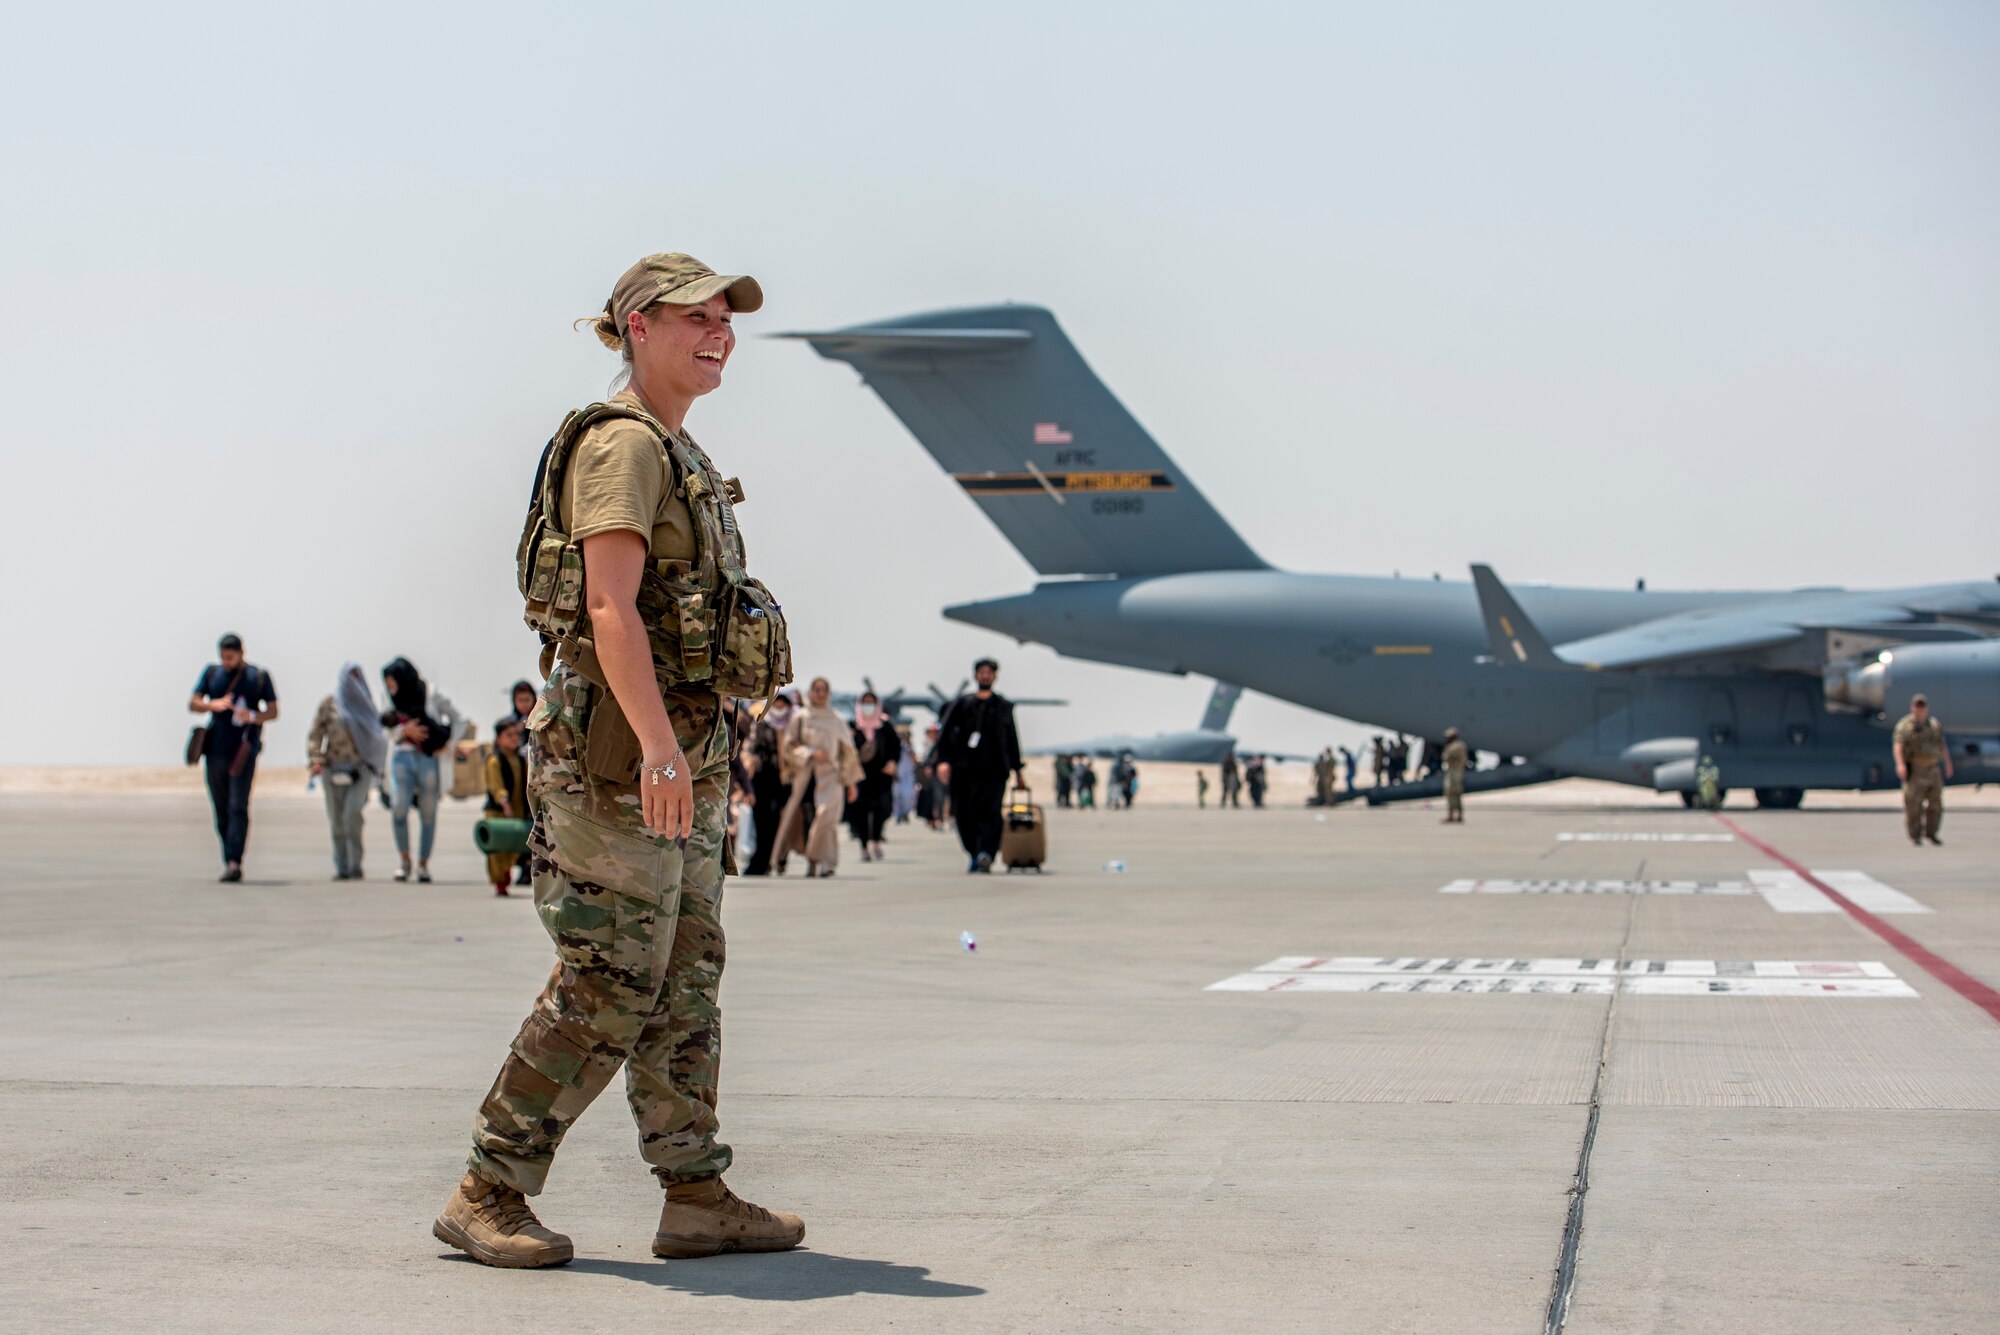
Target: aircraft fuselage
[(1414, 656)]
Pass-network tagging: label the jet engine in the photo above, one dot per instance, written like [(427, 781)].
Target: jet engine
[(1961, 680)]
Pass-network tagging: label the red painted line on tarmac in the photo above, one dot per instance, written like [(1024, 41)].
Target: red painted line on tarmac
[(1953, 977)]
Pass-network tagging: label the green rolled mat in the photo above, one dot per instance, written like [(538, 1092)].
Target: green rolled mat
[(498, 834)]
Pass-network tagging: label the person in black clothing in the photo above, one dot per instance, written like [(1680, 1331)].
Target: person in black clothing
[(879, 749), (239, 699), (977, 749), (768, 789)]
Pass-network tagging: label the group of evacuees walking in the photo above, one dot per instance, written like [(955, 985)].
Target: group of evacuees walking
[(806, 770), (356, 748)]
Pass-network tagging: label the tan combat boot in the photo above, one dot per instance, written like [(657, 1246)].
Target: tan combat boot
[(707, 1218), (494, 1225)]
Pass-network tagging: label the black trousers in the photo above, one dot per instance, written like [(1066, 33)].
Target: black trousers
[(767, 806), (229, 794), (874, 800), (976, 800)]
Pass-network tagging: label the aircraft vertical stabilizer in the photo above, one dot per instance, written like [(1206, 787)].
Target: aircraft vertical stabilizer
[(1516, 641), (1221, 704), (1004, 402)]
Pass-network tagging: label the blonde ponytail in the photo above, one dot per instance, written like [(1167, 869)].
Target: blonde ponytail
[(607, 330)]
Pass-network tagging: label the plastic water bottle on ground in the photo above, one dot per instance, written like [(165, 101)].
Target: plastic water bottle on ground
[(1116, 864), (968, 941)]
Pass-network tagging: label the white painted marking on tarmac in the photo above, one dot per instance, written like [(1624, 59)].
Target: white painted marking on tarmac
[(1516, 985), (1784, 891), (1573, 976), (1869, 893), (1597, 888), (1642, 837), (1789, 892), (1575, 967)]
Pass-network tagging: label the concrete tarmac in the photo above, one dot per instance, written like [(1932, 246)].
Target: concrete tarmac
[(239, 1107)]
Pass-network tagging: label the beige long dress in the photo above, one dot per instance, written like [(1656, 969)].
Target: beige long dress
[(812, 730)]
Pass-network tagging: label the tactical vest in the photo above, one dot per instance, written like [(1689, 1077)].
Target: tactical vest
[(1921, 744), (709, 623)]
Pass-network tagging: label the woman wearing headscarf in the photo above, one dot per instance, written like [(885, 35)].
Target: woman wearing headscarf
[(413, 769), (818, 753), (878, 748), (347, 752)]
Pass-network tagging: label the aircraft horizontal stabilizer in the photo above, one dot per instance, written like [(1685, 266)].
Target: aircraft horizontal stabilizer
[(834, 343), (1515, 639)]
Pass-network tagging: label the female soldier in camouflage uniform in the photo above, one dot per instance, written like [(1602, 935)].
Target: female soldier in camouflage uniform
[(632, 570)]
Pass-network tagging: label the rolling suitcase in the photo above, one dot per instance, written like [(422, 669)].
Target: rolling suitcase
[(1024, 833)]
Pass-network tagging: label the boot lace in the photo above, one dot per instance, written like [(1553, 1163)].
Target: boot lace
[(732, 1204), (508, 1211)]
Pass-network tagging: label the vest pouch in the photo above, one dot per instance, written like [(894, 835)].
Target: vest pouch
[(679, 613), (569, 583), (754, 656), (697, 618), (541, 580)]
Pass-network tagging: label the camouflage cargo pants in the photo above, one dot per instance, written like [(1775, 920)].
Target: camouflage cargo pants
[(638, 932), (1454, 796), (1923, 802)]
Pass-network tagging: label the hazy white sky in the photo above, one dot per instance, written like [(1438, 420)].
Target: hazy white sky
[(1707, 292)]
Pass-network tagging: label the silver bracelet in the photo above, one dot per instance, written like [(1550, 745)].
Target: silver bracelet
[(667, 770)]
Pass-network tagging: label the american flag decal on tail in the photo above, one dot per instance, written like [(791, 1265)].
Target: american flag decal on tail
[(1051, 433)]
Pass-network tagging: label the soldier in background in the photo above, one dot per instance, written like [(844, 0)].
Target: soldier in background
[(1454, 759), (1923, 764)]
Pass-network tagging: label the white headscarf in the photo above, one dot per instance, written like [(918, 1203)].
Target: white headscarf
[(358, 714)]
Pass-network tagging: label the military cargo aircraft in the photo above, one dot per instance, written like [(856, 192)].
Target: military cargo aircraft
[(1209, 744), (1786, 690), (897, 704)]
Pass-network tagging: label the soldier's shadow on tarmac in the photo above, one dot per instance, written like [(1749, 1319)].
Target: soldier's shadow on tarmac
[(781, 1277)]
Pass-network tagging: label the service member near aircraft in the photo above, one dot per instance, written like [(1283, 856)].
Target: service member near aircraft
[(1920, 756), (632, 571), (1455, 757)]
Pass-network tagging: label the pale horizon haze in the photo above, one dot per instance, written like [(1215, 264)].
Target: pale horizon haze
[(1707, 294)]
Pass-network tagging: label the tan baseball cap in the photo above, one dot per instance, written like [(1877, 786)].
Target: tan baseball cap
[(681, 280), (1919, 699)]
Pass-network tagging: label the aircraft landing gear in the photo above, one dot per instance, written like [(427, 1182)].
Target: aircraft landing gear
[(1780, 799), (1687, 799)]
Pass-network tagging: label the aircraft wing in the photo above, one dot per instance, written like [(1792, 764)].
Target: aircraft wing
[(1718, 632), (1723, 632)]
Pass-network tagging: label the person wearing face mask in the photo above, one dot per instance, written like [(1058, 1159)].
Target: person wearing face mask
[(878, 749), (817, 750), (768, 789)]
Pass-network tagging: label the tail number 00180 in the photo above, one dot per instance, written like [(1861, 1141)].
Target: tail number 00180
[(1117, 505)]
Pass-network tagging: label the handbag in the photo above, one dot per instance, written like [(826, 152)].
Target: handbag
[(197, 741)]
